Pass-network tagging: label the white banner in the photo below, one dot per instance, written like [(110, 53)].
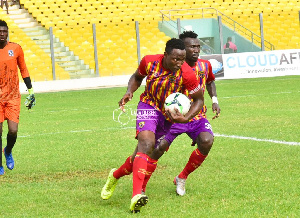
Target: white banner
[(227, 66), (261, 64)]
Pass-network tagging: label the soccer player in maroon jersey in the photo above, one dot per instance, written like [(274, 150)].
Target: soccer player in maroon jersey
[(11, 57), (198, 128), (165, 74)]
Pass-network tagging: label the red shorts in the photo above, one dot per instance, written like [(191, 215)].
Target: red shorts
[(10, 110)]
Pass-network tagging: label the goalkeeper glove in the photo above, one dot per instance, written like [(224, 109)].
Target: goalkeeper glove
[(30, 100)]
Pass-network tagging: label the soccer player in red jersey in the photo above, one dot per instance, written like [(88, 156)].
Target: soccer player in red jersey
[(165, 74), (11, 57), (198, 128)]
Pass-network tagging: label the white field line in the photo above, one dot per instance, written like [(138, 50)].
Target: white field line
[(216, 134), (257, 139), (243, 96), (54, 133)]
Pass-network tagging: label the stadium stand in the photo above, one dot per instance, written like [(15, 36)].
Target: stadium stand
[(115, 30), (38, 62)]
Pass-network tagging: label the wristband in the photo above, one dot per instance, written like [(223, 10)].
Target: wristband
[(214, 100), (30, 91)]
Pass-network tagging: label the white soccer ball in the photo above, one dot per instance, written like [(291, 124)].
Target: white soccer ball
[(179, 101)]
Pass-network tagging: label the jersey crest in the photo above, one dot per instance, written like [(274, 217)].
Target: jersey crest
[(10, 53)]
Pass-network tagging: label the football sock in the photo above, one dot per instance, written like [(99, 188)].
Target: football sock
[(194, 162), (11, 140), (151, 166), (139, 171), (124, 170)]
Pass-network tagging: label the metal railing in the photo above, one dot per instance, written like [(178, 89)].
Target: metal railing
[(171, 16)]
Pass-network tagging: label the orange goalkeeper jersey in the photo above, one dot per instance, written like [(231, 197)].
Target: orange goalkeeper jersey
[(11, 57)]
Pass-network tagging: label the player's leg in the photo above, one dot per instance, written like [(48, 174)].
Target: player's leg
[(204, 140), (2, 108), (163, 143), (11, 135), (160, 149), (1, 166), (115, 174), (146, 142), (11, 113), (11, 141), (126, 167), (156, 154), (148, 126)]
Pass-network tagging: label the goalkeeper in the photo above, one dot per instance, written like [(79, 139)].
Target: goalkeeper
[(11, 58)]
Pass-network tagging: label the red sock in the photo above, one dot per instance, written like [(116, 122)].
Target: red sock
[(194, 162), (151, 166), (139, 170), (125, 169)]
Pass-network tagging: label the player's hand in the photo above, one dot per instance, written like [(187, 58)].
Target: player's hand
[(176, 117), (30, 100), (216, 109), (127, 97)]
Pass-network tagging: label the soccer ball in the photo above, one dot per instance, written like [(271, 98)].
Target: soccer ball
[(179, 101)]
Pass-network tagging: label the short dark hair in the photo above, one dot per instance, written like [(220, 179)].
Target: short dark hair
[(188, 34), (3, 23), (174, 44), (229, 39)]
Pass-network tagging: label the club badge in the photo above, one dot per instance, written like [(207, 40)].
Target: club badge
[(141, 124), (172, 79), (10, 53)]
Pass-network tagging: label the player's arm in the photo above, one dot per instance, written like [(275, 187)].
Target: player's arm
[(27, 82), (30, 100), (197, 105), (23, 68), (212, 91), (134, 83)]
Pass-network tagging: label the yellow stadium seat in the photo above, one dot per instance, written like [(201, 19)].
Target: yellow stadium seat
[(126, 2), (105, 71), (116, 29)]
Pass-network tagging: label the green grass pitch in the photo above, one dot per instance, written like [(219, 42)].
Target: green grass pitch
[(69, 142)]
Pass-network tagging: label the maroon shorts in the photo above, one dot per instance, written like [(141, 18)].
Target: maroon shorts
[(150, 119), (192, 129)]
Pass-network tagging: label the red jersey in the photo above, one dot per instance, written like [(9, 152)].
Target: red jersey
[(11, 57), (203, 70), (160, 83)]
